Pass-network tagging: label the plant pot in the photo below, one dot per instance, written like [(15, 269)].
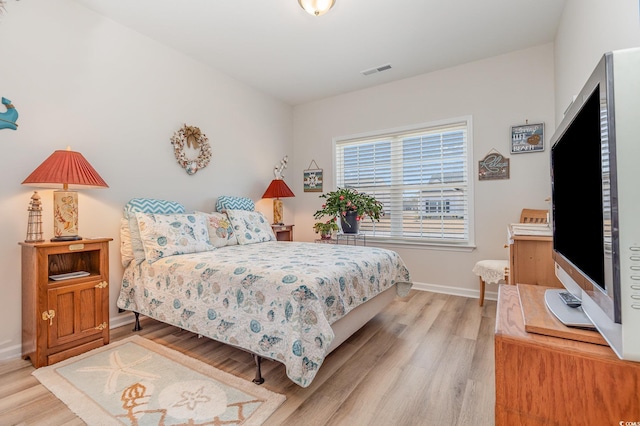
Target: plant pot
[(349, 223), (325, 236)]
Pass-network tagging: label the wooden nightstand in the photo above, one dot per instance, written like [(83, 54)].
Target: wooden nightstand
[(63, 317), (283, 232)]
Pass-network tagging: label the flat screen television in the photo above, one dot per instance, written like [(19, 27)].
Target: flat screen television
[(595, 178)]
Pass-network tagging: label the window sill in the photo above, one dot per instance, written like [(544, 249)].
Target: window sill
[(421, 245)]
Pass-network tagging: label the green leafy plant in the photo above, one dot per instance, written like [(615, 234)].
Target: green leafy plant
[(326, 228), (344, 200)]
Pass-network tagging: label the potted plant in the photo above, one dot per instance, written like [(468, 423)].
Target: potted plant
[(351, 206), (325, 229)]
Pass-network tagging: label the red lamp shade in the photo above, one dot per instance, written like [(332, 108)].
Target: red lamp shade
[(68, 168), (71, 170), (277, 189)]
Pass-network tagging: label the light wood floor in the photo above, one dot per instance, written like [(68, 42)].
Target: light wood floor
[(426, 360)]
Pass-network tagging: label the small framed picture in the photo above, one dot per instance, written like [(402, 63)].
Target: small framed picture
[(312, 178), (527, 138)]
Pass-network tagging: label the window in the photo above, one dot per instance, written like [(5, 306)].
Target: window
[(421, 175)]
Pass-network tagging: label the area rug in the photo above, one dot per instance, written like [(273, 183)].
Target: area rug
[(136, 381)]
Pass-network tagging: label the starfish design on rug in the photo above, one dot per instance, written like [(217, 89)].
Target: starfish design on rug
[(117, 367), (191, 399)]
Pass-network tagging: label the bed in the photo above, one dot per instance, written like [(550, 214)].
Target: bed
[(224, 276)]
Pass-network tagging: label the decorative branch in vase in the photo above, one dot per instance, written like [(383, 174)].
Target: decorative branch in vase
[(351, 207)]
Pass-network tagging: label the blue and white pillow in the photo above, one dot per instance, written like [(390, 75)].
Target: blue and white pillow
[(226, 202), (144, 205), (166, 235), (250, 227), (151, 205)]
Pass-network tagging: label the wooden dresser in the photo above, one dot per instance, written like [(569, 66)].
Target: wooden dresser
[(62, 318), (530, 260), (544, 380)]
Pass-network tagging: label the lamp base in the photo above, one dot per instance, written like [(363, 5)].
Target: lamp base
[(66, 238), (65, 215), (277, 211)]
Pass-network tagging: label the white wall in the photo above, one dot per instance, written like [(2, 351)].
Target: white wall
[(81, 80), (588, 29), (498, 92), (117, 97)]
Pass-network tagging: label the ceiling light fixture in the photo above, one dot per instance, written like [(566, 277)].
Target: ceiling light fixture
[(316, 7)]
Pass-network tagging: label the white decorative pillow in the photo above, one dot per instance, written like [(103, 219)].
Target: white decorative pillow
[(220, 230), (166, 235), (250, 227), (126, 249)]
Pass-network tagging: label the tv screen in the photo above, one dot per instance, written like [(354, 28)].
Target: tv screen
[(595, 152), (577, 192)]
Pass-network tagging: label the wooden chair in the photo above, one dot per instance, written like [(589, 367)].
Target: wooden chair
[(534, 216), (496, 271)]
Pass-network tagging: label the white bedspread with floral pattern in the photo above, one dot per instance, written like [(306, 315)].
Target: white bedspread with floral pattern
[(276, 299)]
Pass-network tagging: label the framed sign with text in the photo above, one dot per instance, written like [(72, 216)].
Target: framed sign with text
[(493, 166), (527, 138)]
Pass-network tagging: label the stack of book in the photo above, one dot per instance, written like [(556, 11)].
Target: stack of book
[(537, 229)]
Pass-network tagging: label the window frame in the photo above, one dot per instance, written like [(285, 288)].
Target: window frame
[(466, 245)]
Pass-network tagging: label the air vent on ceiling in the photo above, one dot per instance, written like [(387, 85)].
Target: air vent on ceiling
[(376, 69)]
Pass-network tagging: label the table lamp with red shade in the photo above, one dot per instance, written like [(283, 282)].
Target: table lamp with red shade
[(71, 170), (278, 189)]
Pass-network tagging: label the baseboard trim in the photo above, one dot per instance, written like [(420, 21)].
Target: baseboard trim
[(14, 352), (11, 352), (455, 291), (124, 318)]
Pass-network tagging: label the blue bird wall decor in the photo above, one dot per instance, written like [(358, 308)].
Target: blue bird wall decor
[(8, 118)]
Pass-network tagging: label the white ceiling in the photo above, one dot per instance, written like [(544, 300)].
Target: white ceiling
[(276, 47)]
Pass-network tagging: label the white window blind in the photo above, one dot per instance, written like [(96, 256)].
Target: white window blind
[(420, 175)]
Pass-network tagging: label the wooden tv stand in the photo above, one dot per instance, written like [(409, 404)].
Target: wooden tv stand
[(542, 380)]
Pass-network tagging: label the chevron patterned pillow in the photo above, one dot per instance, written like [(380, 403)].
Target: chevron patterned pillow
[(227, 202), (150, 205)]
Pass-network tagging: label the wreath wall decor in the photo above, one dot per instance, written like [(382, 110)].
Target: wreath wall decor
[(192, 137)]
